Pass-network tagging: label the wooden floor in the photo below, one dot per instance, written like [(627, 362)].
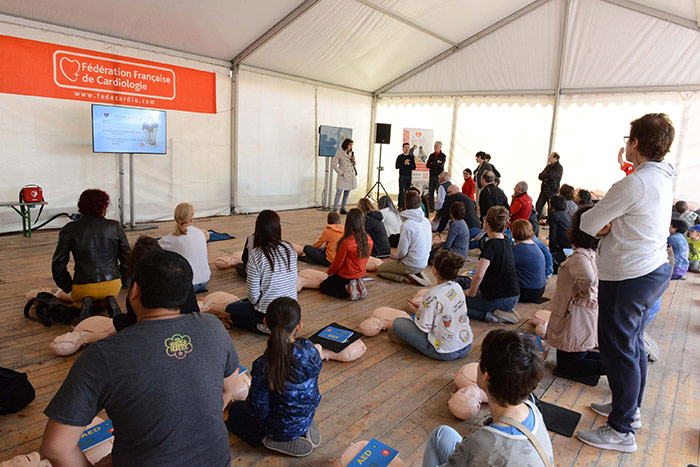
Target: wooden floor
[(392, 393)]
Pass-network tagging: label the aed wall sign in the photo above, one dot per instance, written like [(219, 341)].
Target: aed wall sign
[(43, 69)]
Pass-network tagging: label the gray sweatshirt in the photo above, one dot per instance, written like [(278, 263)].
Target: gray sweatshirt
[(638, 206), (488, 446), (415, 240)]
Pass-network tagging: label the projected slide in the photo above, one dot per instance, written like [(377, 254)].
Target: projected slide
[(330, 139), (128, 130)]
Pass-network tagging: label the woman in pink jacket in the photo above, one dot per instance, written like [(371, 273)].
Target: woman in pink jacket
[(573, 326)]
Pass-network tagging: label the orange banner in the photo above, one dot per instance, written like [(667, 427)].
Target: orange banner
[(34, 68)]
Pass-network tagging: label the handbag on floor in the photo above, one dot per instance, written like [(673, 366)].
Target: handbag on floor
[(50, 309), (16, 392)]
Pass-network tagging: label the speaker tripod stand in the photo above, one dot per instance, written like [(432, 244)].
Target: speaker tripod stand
[(378, 184)]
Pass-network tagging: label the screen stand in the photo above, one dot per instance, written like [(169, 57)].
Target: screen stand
[(379, 183), (327, 195), (132, 227)]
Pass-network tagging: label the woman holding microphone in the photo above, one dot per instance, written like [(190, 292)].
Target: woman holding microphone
[(344, 166)]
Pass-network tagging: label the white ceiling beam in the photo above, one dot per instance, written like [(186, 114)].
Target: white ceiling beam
[(473, 93), (647, 10), (632, 89), (111, 40), (295, 14), (405, 20), (484, 32), (560, 73)]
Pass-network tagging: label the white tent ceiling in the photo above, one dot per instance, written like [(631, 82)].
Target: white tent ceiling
[(367, 44)]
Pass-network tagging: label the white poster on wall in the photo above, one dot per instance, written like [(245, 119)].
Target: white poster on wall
[(421, 142)]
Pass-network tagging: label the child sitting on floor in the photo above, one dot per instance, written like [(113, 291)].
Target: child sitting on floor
[(680, 248), (320, 254), (694, 246), (350, 264), (283, 396), (441, 328), (458, 235), (509, 371)]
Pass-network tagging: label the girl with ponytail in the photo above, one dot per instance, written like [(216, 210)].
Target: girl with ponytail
[(283, 396), (350, 263), (190, 241)]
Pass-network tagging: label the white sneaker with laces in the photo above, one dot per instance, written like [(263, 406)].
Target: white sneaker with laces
[(606, 437), (605, 409)]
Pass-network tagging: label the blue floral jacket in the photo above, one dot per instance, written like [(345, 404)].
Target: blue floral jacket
[(287, 416)]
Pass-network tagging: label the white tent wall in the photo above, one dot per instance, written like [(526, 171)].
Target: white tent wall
[(513, 130), (591, 128), (348, 110), (427, 113), (48, 142), (277, 127)]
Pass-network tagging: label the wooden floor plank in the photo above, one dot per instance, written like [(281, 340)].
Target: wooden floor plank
[(392, 392)]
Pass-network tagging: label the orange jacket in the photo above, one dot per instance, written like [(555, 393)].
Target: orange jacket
[(346, 263), (330, 237)]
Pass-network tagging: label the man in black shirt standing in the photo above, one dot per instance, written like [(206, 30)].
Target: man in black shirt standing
[(406, 164), (551, 177), (490, 194), (436, 164)]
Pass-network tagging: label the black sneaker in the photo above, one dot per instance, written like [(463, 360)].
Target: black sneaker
[(343, 211)]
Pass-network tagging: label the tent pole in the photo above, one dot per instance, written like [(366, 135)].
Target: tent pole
[(453, 134), (653, 12), (370, 158), (687, 99), (234, 139), (316, 136), (560, 72)]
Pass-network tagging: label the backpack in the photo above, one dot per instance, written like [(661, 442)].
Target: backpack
[(50, 309), (16, 392)]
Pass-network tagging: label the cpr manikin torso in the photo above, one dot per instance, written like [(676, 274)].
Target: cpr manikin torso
[(381, 319)]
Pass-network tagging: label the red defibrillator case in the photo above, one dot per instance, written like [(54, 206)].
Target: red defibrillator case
[(31, 194)]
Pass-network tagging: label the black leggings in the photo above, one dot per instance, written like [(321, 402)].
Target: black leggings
[(579, 364), (530, 295), (335, 286), (316, 255)]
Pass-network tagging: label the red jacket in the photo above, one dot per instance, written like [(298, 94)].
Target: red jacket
[(469, 188), (346, 263), (521, 207)]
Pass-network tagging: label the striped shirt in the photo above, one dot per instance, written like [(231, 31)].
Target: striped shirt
[(263, 284)]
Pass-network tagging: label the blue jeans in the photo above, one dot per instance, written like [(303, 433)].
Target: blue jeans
[(201, 286), (480, 308), (404, 184), (337, 198), (624, 308), (441, 444), (407, 330), (473, 231)]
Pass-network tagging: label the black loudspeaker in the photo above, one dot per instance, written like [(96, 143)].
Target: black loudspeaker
[(382, 133)]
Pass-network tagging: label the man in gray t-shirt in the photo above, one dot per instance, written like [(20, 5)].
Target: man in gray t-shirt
[(162, 381)]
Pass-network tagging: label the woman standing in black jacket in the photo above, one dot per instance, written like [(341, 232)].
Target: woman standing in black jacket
[(99, 247), (374, 226)]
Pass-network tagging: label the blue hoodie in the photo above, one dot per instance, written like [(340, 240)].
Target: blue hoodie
[(288, 415)]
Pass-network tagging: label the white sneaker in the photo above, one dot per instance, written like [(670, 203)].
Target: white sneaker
[(605, 437), (605, 409)]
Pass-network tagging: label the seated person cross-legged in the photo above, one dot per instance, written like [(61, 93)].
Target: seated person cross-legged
[(164, 382), (411, 257), (323, 251), (573, 325), (283, 396), (529, 262), (375, 228), (440, 328), (99, 247), (509, 371), (391, 219), (494, 290), (271, 272), (143, 245), (350, 264)]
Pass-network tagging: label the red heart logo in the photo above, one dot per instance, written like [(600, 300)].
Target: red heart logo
[(70, 68), (106, 115)]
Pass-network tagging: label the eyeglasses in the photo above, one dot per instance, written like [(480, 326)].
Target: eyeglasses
[(625, 139)]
